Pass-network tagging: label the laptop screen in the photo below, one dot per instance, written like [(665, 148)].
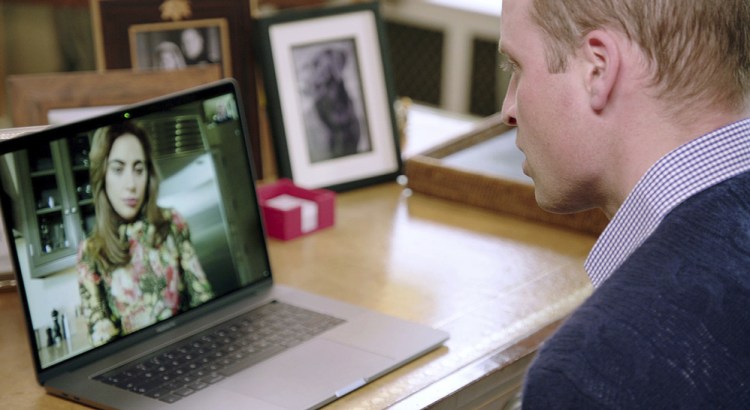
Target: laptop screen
[(122, 221)]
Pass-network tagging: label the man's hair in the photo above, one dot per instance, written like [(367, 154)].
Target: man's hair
[(697, 50)]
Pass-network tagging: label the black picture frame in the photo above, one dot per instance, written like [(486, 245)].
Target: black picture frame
[(330, 96)]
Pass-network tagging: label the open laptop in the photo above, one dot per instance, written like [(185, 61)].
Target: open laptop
[(200, 146)]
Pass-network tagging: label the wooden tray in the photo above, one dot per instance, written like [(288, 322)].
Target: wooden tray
[(483, 168)]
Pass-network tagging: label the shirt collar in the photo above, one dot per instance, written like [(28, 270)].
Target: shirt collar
[(685, 171)]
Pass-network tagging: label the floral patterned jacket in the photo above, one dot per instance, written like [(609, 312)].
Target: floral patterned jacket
[(156, 284)]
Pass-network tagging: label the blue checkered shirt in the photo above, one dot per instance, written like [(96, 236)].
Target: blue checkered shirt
[(687, 170)]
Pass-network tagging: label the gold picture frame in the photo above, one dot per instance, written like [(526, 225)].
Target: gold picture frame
[(184, 43)]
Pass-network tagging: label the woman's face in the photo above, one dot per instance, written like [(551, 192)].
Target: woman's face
[(192, 43), (126, 177)]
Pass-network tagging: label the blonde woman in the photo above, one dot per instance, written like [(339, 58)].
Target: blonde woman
[(138, 266)]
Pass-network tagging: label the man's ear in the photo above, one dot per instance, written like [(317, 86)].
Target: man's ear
[(601, 55)]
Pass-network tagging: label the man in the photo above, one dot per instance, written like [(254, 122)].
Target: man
[(640, 108)]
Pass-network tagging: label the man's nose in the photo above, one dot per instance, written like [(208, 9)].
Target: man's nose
[(509, 112)]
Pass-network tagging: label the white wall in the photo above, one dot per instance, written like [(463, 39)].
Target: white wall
[(461, 21)]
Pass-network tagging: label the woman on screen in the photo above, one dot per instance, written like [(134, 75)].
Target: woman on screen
[(138, 266)]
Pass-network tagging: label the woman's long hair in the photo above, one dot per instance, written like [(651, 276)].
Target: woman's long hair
[(106, 246)]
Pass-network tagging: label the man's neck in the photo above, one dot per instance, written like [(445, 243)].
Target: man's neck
[(651, 136)]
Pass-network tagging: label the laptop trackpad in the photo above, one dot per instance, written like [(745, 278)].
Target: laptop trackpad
[(309, 373)]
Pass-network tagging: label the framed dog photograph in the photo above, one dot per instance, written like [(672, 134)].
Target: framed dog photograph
[(330, 96), (180, 44)]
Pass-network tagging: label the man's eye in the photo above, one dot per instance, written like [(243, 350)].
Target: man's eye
[(508, 65)]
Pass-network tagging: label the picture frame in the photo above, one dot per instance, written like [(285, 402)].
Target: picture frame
[(482, 168), (112, 20), (181, 44), (330, 96), (36, 95)]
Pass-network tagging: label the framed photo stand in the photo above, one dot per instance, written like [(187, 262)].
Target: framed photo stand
[(330, 96)]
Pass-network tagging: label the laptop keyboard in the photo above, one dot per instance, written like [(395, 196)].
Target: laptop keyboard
[(208, 357)]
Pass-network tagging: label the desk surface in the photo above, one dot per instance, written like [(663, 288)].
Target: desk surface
[(489, 279)]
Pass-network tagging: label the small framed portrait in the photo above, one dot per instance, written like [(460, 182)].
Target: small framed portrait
[(180, 44), (330, 97)]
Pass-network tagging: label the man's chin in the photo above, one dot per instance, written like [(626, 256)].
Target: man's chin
[(553, 205)]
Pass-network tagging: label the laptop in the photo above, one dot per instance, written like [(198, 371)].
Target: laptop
[(226, 338)]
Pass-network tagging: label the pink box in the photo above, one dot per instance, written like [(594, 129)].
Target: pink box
[(290, 211)]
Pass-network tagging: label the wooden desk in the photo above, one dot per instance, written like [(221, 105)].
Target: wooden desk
[(490, 280)]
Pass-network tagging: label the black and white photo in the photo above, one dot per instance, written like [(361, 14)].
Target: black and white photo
[(329, 96), (176, 45)]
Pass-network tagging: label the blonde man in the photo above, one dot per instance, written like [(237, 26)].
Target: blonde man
[(640, 108)]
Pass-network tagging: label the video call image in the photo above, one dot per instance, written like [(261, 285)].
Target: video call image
[(127, 225)]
